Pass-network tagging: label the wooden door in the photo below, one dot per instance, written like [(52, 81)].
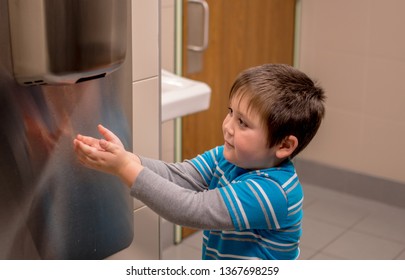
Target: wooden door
[(242, 34)]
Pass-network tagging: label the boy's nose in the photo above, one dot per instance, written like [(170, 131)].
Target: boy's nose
[(228, 128)]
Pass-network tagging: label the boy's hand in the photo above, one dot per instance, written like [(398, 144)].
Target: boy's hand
[(107, 155), (109, 136)]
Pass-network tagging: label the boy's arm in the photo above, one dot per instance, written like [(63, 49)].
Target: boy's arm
[(189, 207), (195, 209), (183, 174)]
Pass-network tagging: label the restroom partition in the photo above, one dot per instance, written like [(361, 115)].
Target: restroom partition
[(242, 33)]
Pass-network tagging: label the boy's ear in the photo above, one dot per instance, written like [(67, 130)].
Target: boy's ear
[(287, 147)]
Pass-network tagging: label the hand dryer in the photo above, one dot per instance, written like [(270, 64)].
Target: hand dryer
[(66, 41)]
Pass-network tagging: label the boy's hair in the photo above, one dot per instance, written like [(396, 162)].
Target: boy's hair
[(286, 99)]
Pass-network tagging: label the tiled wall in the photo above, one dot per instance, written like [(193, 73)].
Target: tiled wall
[(146, 106), (356, 49)]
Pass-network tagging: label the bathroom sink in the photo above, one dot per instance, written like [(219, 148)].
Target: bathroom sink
[(182, 96)]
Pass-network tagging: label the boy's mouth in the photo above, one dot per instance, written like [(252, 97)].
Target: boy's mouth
[(228, 145)]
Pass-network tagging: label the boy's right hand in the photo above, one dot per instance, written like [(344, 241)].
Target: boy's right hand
[(109, 135), (107, 155)]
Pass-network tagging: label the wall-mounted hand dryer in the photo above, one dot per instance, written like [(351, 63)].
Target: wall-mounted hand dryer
[(66, 41)]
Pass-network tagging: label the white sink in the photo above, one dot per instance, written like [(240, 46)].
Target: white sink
[(182, 96)]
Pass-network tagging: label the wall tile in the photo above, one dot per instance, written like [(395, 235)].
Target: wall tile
[(145, 41), (356, 49), (382, 152), (338, 140), (385, 89), (335, 25), (146, 107), (342, 76), (387, 29)]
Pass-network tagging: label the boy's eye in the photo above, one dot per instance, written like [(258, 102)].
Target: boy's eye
[(242, 123)]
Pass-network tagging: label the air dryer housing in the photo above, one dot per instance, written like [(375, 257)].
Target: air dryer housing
[(66, 41)]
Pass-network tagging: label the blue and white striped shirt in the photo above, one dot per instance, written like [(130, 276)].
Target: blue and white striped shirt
[(265, 207)]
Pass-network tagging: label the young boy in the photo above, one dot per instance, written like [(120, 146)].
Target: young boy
[(244, 194)]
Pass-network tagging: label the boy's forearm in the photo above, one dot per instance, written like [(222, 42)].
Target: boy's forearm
[(186, 207), (130, 172)]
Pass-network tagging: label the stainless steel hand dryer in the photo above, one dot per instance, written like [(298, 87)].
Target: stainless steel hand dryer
[(66, 41)]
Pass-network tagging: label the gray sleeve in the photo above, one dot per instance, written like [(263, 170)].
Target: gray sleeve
[(183, 174), (186, 207)]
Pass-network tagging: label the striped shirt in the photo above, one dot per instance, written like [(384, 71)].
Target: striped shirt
[(265, 207)]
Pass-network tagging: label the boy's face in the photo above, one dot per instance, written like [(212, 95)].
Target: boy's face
[(246, 138)]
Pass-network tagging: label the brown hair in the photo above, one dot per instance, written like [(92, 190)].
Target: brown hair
[(286, 99)]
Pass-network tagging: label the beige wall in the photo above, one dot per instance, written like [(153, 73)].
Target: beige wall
[(356, 49)]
